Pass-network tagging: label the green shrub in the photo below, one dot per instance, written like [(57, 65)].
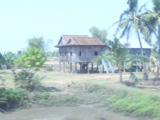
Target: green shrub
[(27, 80), (11, 97), (140, 104), (92, 87), (49, 68), (45, 95)]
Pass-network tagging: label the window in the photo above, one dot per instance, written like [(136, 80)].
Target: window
[(80, 53), (71, 53), (96, 53)]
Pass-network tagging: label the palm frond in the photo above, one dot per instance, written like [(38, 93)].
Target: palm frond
[(133, 77)]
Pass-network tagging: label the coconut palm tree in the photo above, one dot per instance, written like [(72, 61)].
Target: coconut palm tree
[(130, 20), (117, 56), (151, 21)]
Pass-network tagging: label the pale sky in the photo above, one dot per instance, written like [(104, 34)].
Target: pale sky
[(24, 19)]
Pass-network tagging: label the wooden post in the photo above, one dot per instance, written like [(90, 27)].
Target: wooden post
[(101, 69), (63, 66), (80, 67), (92, 67), (97, 67), (71, 67), (88, 68), (136, 66), (75, 67), (59, 66), (68, 68)]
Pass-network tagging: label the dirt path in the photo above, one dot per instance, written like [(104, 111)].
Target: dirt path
[(63, 113)]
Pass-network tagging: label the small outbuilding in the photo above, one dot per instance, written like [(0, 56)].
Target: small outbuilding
[(76, 52), (135, 48)]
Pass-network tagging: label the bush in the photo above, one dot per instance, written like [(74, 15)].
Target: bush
[(27, 80), (140, 104), (92, 87), (49, 68), (11, 97)]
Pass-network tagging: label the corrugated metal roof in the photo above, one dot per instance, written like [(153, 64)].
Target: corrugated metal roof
[(86, 41), (135, 43), (68, 37), (75, 40)]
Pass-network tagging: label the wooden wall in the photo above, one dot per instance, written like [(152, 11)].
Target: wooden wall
[(137, 51), (80, 53)]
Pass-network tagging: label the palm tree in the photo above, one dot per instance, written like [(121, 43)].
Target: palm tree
[(117, 56), (151, 21), (130, 19)]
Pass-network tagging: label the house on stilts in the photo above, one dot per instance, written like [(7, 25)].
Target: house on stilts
[(76, 53)]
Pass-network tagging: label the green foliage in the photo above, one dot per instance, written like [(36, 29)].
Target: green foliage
[(2, 60), (2, 103), (45, 95), (156, 5), (136, 103), (132, 5), (92, 87), (33, 57), (134, 77), (49, 68), (11, 97), (69, 100), (36, 43), (2, 82), (27, 80), (9, 59), (101, 34), (39, 97)]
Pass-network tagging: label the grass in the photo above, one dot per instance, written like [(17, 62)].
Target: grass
[(138, 104), (104, 89)]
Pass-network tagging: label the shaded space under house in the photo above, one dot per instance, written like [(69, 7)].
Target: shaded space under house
[(76, 53)]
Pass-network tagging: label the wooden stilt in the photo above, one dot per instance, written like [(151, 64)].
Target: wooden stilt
[(97, 68), (92, 67), (68, 68), (63, 66), (71, 67), (88, 68), (75, 67), (80, 67), (59, 66)]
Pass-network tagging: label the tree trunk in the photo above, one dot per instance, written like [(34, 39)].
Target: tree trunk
[(120, 75), (145, 77), (157, 75)]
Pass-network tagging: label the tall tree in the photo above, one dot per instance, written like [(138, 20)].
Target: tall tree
[(130, 20), (101, 34), (9, 59), (34, 56), (152, 26), (37, 42), (118, 56)]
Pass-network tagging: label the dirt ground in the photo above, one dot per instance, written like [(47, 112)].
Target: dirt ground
[(64, 113)]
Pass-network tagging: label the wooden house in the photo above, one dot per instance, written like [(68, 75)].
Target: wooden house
[(135, 49), (79, 49)]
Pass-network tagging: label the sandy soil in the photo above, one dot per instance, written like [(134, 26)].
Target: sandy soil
[(63, 113)]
